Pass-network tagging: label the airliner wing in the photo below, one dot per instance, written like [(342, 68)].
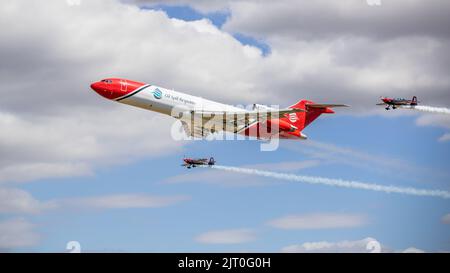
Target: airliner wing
[(244, 115), (238, 120), (195, 132)]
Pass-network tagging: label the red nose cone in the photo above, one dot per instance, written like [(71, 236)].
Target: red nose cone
[(103, 90), (115, 88), (96, 86)]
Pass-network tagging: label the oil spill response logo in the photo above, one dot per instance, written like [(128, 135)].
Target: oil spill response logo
[(293, 117), (157, 94)]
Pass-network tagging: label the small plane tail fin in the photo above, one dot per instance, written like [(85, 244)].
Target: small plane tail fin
[(312, 111), (414, 101), (211, 161)]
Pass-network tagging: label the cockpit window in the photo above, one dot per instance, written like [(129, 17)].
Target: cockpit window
[(106, 81)]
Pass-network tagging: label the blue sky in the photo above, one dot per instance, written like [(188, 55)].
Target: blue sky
[(375, 148)]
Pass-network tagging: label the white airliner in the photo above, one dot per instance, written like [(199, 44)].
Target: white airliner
[(201, 117)]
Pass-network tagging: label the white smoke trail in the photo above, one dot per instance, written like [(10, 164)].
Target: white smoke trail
[(338, 182), (430, 109)]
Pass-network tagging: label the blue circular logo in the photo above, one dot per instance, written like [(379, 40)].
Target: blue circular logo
[(157, 94)]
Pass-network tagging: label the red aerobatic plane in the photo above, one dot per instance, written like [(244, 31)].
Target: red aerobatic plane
[(194, 162), (397, 102)]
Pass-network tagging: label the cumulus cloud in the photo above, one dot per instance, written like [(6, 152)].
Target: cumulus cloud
[(436, 120), (327, 247), (73, 144), (53, 125), (122, 201), (413, 250), (230, 236), (306, 19), (445, 137), (446, 219), (16, 233), (19, 201), (365, 245), (319, 221), (345, 51)]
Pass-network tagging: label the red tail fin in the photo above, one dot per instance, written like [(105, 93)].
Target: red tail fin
[(313, 111)]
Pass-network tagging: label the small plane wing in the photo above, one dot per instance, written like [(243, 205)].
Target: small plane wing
[(382, 103)]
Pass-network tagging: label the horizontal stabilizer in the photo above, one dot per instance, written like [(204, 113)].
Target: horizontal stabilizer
[(317, 105)]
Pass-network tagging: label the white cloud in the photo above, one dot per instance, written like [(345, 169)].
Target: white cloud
[(329, 247), (353, 56), (73, 144), (122, 201), (53, 125), (34, 171), (19, 201), (16, 233), (230, 236), (319, 221), (301, 20), (365, 245), (446, 219), (444, 137), (413, 250), (435, 120)]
